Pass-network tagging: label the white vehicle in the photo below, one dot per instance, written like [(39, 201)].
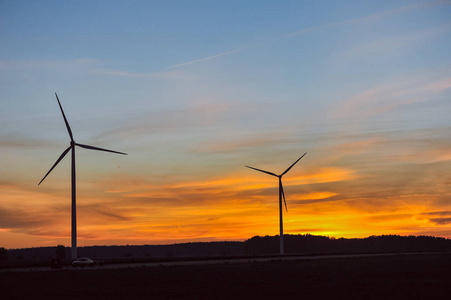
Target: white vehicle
[(82, 261)]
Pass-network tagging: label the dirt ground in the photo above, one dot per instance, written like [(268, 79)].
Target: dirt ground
[(422, 276)]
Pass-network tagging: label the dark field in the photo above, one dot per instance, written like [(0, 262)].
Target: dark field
[(410, 276)]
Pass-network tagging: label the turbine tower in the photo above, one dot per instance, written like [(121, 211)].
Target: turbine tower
[(74, 206), (281, 195)]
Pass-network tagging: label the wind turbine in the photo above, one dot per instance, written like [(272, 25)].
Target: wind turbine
[(72, 147), (281, 195)]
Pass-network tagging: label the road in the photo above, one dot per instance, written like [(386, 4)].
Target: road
[(246, 260)]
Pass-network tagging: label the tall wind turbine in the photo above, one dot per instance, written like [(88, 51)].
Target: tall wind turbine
[(281, 195), (72, 147)]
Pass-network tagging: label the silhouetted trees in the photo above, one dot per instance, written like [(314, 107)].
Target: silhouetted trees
[(311, 244), (3, 254), (61, 252)]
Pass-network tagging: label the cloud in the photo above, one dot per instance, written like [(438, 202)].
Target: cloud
[(437, 213), (437, 217), (102, 212), (142, 75), (441, 221), (355, 21), (384, 218), (37, 220), (395, 11), (24, 142), (230, 191), (48, 64), (145, 123), (387, 146), (121, 73), (371, 18), (323, 175), (441, 153), (310, 198), (301, 230), (227, 207), (13, 219), (234, 143), (392, 95), (395, 43), (85, 65), (41, 212)]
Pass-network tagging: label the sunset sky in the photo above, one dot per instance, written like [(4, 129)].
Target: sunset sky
[(195, 90)]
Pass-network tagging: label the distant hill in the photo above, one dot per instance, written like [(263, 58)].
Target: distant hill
[(268, 245)]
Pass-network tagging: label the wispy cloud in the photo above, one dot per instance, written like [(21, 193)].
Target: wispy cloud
[(395, 44), (391, 95), (234, 143), (22, 143), (371, 18), (121, 73), (215, 191), (441, 221), (142, 75), (437, 217), (146, 123), (395, 11), (84, 65), (437, 213), (355, 21), (93, 63), (48, 64)]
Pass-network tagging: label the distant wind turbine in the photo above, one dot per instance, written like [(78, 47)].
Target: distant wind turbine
[(74, 207), (281, 195)]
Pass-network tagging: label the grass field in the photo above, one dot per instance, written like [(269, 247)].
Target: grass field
[(413, 276)]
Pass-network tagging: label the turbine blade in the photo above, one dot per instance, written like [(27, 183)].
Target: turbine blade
[(286, 171), (262, 171), (59, 159), (283, 195), (65, 120), (100, 149)]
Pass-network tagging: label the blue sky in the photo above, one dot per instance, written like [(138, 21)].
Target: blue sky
[(195, 90)]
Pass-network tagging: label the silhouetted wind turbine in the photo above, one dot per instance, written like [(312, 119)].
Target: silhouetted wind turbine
[(281, 195), (72, 147)]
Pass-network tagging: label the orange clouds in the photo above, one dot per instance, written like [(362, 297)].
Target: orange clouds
[(229, 208), (355, 192)]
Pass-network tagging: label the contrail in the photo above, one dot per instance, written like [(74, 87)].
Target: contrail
[(209, 57)]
